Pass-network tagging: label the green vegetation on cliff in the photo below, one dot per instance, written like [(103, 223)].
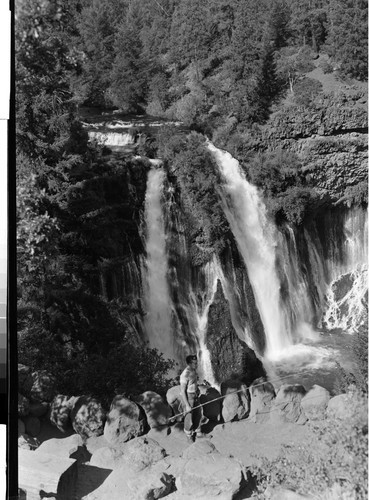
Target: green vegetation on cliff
[(198, 177), (77, 222)]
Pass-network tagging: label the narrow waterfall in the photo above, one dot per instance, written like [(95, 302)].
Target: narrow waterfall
[(257, 239), (158, 324), (198, 316)]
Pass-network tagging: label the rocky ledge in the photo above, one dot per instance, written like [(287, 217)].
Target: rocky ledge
[(138, 451)]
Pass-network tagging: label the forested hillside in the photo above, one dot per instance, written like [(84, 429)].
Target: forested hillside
[(200, 61), (222, 67)]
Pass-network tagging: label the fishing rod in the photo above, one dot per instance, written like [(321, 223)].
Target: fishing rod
[(235, 392)]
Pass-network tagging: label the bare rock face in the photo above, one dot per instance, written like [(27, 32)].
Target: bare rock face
[(210, 476), (287, 405), (23, 406), (315, 401), (60, 411), (236, 404), (88, 417), (33, 425), (125, 421), (25, 381), (212, 410), (157, 412), (262, 397), (43, 386)]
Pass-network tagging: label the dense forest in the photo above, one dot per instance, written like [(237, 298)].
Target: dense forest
[(218, 66)]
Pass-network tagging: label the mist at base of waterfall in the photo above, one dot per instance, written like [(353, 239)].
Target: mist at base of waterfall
[(313, 362)]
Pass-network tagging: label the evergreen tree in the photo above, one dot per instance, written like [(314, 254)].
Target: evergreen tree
[(347, 41)]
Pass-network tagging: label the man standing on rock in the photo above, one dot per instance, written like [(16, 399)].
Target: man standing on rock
[(189, 393)]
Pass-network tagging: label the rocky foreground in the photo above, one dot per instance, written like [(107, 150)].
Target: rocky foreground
[(71, 449)]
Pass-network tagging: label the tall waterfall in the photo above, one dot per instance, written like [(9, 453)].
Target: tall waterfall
[(257, 240), (158, 324)]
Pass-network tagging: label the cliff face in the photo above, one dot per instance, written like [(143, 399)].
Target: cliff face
[(330, 137)]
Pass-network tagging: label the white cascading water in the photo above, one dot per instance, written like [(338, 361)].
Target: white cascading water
[(348, 312), (117, 139), (256, 239), (158, 324), (298, 306), (198, 319)]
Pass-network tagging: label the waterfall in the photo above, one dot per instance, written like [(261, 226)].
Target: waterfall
[(346, 296), (257, 240), (117, 139), (198, 311), (158, 324)]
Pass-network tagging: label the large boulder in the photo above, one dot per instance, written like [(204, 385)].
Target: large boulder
[(107, 457), (174, 400), (210, 476), (27, 442), (43, 386), (142, 452), (88, 417), (156, 410), (262, 396), (23, 406), (25, 380), (94, 443), (123, 484), (339, 407), (212, 410), (287, 405), (38, 409), (199, 449), (60, 411), (236, 404), (126, 420), (315, 401), (150, 485), (136, 455), (64, 447), (33, 425)]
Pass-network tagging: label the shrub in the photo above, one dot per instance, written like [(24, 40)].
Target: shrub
[(306, 90), (127, 369), (279, 175), (335, 459)]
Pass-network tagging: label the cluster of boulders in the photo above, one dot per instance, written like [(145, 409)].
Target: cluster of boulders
[(125, 439)]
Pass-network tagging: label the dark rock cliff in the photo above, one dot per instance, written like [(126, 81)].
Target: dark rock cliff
[(330, 137)]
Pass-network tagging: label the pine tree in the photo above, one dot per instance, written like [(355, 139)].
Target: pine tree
[(347, 41)]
